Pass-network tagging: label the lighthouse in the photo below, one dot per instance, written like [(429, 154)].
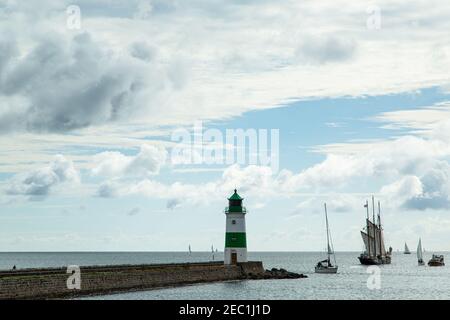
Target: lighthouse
[(235, 237)]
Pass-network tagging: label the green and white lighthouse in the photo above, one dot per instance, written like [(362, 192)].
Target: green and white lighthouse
[(235, 237)]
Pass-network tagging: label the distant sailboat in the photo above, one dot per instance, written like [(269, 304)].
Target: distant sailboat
[(325, 266), (373, 239), (420, 254), (406, 249), (212, 251), (190, 251)]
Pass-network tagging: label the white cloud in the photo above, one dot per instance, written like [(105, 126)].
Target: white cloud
[(403, 189), (115, 164), (40, 182), (336, 203), (155, 71), (254, 181), (257, 55), (135, 66)]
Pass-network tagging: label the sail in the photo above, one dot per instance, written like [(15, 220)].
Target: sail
[(374, 238), (419, 250), (406, 248), (383, 249), (330, 251), (365, 238)]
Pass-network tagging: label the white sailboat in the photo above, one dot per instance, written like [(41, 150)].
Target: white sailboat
[(325, 266), (420, 253), (406, 249)]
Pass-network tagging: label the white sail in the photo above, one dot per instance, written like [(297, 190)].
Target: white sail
[(365, 238), (419, 251), (330, 251), (383, 249)]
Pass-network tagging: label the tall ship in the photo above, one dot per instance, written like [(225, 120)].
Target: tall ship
[(375, 252)]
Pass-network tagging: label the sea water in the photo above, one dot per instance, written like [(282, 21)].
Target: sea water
[(403, 279)]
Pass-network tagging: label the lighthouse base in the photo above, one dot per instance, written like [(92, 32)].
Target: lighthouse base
[(235, 255)]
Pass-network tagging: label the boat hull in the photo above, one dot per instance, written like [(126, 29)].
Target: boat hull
[(436, 261), (326, 270), (370, 261)]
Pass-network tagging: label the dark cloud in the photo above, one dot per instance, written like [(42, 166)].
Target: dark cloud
[(66, 83), (39, 183), (107, 190), (320, 50), (173, 203), (143, 51), (436, 190), (134, 211), (430, 202)]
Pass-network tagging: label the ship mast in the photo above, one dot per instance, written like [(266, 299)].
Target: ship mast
[(374, 229), (368, 230), (328, 236), (379, 225)]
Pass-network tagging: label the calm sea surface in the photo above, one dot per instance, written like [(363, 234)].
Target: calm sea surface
[(403, 279)]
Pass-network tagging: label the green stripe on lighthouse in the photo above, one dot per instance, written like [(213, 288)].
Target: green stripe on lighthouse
[(235, 240)]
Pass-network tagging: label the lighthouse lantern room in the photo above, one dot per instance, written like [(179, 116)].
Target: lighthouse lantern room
[(235, 236)]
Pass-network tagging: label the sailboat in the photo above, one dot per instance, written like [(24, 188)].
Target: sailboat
[(190, 251), (420, 253), (325, 266), (212, 251), (373, 239), (406, 249)]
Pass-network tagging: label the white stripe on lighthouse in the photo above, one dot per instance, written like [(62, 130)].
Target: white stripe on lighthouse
[(238, 225)]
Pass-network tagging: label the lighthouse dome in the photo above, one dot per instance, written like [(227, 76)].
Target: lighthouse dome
[(235, 196), (235, 203)]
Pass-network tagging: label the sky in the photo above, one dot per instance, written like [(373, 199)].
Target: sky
[(354, 98)]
